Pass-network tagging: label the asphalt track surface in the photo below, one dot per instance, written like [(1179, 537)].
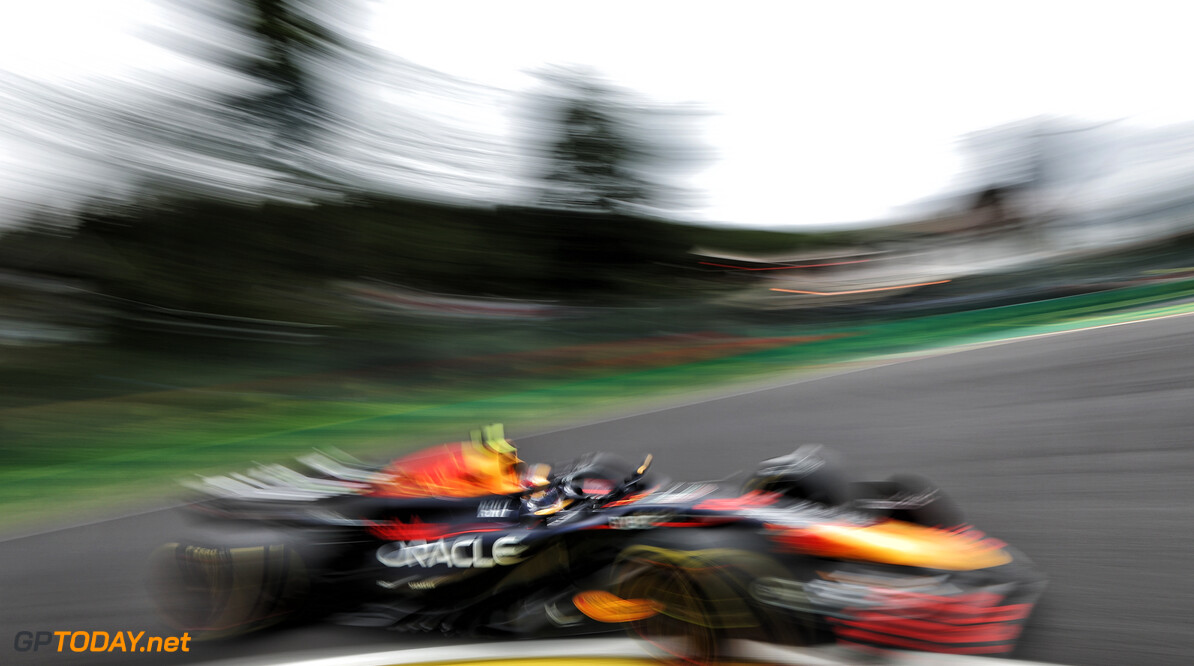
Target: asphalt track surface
[(1073, 447)]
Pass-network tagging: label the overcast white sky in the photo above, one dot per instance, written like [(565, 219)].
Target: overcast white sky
[(824, 111)]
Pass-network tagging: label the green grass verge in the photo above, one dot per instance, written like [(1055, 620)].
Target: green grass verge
[(90, 456)]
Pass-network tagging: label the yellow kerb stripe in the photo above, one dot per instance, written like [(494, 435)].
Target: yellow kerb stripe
[(547, 661)]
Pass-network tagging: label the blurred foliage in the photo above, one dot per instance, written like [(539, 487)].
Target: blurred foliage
[(227, 196), (285, 55), (764, 241), (289, 37), (285, 47), (225, 213), (592, 155), (601, 148), (219, 256), (277, 260)]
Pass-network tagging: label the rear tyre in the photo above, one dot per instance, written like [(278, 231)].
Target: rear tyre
[(705, 597), (684, 631), (222, 591)]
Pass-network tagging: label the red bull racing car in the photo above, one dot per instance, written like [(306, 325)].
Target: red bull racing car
[(464, 537)]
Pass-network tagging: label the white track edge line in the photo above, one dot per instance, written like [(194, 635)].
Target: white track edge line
[(613, 648)]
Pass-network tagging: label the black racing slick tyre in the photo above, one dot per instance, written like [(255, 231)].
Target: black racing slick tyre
[(222, 591), (684, 630), (704, 599)]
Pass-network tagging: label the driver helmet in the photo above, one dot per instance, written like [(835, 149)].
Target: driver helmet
[(546, 502)]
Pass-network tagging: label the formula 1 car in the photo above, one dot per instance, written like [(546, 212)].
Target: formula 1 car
[(464, 537)]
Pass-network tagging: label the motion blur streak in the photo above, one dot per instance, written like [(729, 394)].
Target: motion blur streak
[(859, 291), (784, 268), (241, 229)]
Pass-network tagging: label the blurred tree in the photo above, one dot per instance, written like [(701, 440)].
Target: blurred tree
[(292, 37), (591, 159), (604, 150), (282, 66), (605, 177)]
